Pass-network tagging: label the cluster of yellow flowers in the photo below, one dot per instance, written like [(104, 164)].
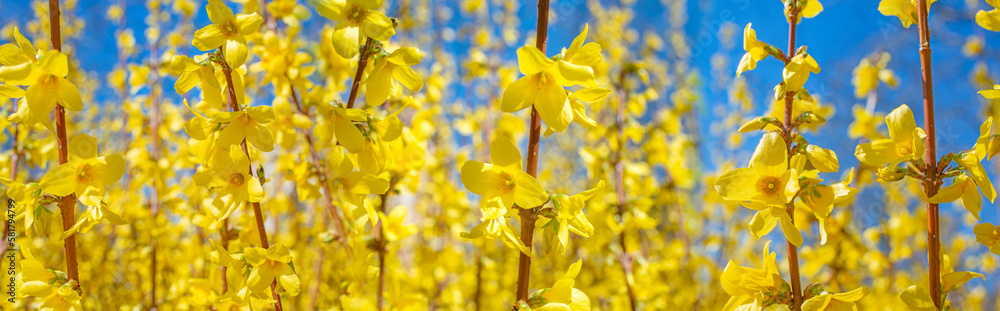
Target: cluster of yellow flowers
[(342, 155)]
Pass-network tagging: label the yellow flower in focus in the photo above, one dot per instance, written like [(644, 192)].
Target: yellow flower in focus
[(765, 186), (905, 10), (269, 265), (382, 81), (766, 182), (562, 296), (962, 187), (835, 301), (45, 77), (504, 178), (230, 172), (226, 32), (797, 71), (905, 142), (756, 51), (544, 79), (356, 20), (246, 125), (85, 174), (990, 20)]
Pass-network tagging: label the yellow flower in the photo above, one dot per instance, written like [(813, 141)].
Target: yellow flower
[(85, 174), (870, 71), (766, 186), (756, 51), (865, 124), (381, 82), (745, 284), (192, 74), (991, 94), (544, 79), (235, 277), (905, 142), (230, 172), (835, 301), (246, 125), (45, 77), (562, 296), (821, 198), (226, 32), (990, 19), (504, 178), (356, 20), (766, 182), (342, 130), (569, 218), (988, 235), (54, 287), (905, 10), (797, 71), (810, 9), (494, 225), (269, 265)]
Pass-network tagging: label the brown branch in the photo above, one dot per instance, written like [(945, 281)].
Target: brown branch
[(258, 215), (527, 215), (67, 206), (793, 252), (362, 63), (932, 182)]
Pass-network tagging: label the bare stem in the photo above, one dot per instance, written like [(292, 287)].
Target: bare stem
[(527, 214), (932, 181), (67, 206)]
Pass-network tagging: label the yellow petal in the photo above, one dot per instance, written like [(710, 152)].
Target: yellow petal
[(346, 40), (54, 63), (480, 178), (917, 299), (349, 136), (989, 20), (218, 12), (553, 107), (67, 95), (235, 51), (377, 26), (248, 23), (405, 56), (531, 60), (112, 170), (408, 78), (771, 155), (568, 74), (60, 181), (528, 193), (811, 9), (260, 137), (823, 159), (737, 185), (791, 233), (208, 38), (762, 223), (951, 280), (504, 153), (877, 153), (519, 95)]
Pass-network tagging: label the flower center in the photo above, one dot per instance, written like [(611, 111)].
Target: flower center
[(356, 14), (236, 179), (768, 185), (228, 29), (508, 183), (83, 174), (904, 150)]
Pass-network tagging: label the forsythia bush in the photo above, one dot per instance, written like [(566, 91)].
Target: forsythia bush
[(375, 154)]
